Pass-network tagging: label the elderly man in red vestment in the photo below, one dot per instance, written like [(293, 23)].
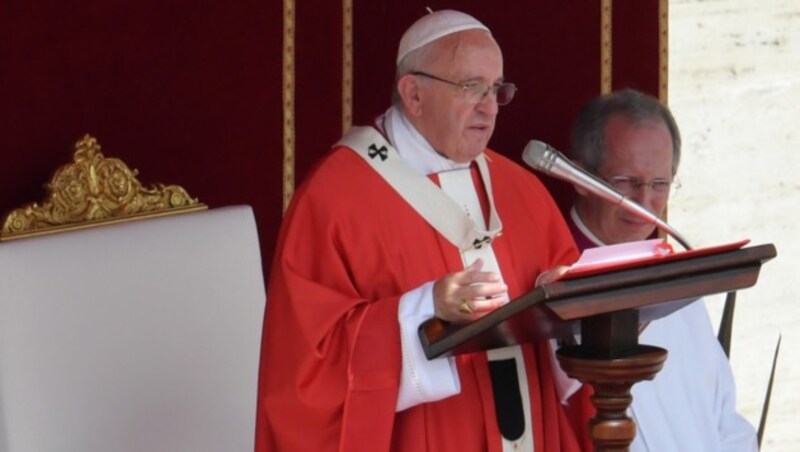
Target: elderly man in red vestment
[(410, 218)]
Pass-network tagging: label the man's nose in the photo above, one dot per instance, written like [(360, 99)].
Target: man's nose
[(645, 196), (488, 103)]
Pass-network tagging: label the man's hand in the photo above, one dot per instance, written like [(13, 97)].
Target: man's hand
[(551, 275), (468, 294)]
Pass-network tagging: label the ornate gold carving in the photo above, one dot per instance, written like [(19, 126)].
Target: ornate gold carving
[(94, 190)]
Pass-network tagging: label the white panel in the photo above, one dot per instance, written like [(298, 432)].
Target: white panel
[(143, 336)]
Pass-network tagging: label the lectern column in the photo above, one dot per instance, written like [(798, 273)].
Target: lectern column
[(611, 361)]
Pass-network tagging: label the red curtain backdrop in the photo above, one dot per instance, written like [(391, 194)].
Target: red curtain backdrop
[(191, 92), (636, 40), (187, 92)]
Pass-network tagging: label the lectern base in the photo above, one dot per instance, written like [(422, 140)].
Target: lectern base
[(611, 378)]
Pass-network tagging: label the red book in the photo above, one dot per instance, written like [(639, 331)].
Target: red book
[(637, 254)]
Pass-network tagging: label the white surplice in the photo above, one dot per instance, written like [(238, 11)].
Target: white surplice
[(690, 406)]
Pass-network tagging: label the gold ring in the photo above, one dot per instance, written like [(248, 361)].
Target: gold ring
[(464, 307)]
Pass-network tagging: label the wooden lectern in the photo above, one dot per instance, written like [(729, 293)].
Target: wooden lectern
[(606, 307)]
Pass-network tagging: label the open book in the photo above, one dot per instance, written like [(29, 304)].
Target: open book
[(647, 277), (635, 254)]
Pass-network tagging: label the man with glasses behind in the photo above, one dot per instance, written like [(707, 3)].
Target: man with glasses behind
[(632, 141), (410, 218)]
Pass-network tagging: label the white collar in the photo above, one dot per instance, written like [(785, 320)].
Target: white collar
[(573, 213), (413, 148)]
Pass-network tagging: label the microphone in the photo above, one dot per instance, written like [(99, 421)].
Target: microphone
[(543, 157)]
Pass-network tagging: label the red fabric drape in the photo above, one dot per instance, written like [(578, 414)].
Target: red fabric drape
[(191, 92)]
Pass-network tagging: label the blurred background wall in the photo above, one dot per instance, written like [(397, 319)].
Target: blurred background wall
[(734, 86)]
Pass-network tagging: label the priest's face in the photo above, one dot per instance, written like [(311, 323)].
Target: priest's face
[(638, 163), (458, 121)]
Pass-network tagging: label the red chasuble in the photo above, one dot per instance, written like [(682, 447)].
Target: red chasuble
[(349, 247)]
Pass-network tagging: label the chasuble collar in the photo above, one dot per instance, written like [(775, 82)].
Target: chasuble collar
[(413, 148)]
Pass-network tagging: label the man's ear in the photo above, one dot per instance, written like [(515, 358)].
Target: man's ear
[(582, 192), (410, 92)]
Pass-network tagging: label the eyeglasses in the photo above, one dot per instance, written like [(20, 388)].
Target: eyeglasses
[(627, 185), (476, 91)]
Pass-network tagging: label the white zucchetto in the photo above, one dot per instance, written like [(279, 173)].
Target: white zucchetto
[(434, 26)]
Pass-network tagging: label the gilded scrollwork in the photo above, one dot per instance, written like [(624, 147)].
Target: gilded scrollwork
[(91, 190)]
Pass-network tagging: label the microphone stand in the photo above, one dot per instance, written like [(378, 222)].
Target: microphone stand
[(544, 157), (631, 206)]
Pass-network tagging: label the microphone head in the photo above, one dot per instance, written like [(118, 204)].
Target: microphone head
[(539, 155)]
